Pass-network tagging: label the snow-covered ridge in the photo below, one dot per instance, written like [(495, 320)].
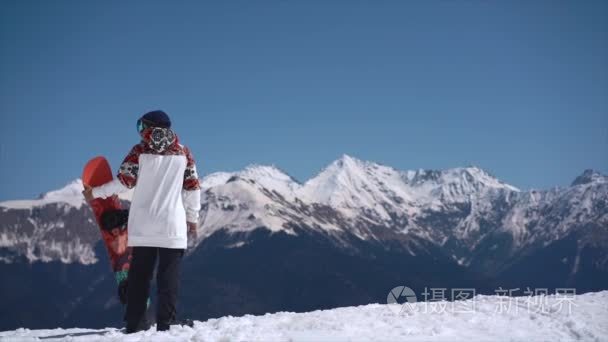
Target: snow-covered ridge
[(269, 177), (483, 318), (589, 176), (342, 178), (437, 205), (70, 194), (349, 196), (348, 177)]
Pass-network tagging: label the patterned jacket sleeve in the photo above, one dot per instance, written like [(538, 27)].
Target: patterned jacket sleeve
[(129, 169), (191, 193)]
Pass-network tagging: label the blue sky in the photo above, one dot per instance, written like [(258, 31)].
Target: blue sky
[(516, 87)]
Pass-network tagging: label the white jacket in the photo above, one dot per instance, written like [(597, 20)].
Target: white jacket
[(166, 190)]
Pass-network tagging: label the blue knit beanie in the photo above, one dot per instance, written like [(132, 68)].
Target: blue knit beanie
[(157, 118)]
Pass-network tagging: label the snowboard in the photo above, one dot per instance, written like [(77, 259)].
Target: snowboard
[(111, 218)]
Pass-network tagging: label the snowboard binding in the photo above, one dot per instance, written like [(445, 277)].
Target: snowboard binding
[(112, 219)]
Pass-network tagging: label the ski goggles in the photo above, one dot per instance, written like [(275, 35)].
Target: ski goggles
[(141, 125)]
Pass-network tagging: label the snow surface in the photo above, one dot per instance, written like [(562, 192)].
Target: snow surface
[(483, 318)]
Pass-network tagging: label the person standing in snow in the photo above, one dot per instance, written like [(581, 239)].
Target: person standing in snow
[(164, 211)]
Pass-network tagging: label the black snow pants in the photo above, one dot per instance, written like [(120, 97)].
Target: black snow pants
[(138, 287)]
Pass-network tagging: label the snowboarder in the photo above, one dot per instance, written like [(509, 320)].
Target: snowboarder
[(164, 211)]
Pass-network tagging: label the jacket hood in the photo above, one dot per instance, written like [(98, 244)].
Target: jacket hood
[(159, 139)]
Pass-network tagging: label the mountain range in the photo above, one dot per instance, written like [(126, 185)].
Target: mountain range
[(345, 237)]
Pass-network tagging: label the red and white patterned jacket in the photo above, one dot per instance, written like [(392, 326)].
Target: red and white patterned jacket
[(166, 193)]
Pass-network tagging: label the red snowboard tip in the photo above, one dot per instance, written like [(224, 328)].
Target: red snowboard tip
[(96, 172)]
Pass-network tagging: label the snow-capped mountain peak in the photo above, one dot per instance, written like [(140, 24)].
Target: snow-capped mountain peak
[(272, 178), (589, 176), (70, 194), (351, 183), (462, 182), (471, 178), (268, 176), (72, 189), (347, 161), (215, 179), (257, 172), (340, 172)]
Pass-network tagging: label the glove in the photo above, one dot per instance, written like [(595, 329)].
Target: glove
[(122, 292)]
